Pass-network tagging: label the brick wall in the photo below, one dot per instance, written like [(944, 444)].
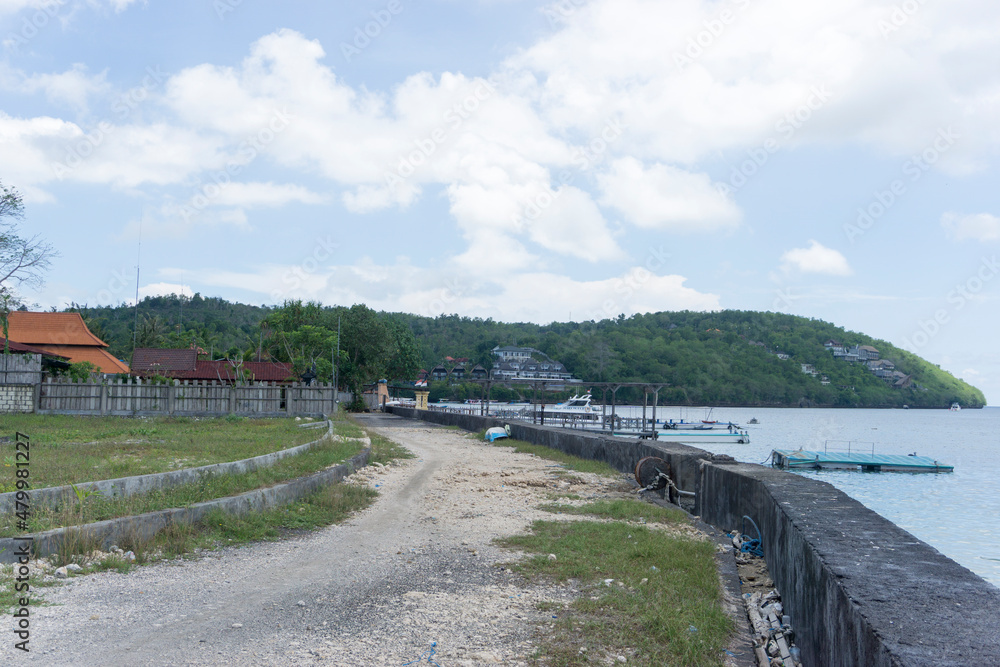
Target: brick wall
[(16, 398)]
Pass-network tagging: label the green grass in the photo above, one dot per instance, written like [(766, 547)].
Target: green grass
[(674, 617), (71, 449), (98, 507), (568, 460), (622, 510)]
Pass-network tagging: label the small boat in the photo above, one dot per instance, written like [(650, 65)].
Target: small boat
[(753, 420), (955, 407)]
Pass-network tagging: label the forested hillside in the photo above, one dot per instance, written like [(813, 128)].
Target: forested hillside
[(721, 358)]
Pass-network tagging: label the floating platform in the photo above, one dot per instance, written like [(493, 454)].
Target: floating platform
[(786, 458)]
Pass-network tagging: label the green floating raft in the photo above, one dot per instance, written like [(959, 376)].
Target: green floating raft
[(799, 458)]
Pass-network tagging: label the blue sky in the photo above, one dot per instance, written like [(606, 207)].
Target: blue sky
[(521, 160)]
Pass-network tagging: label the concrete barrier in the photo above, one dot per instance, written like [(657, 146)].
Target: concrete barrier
[(127, 486), (145, 526), (859, 589)]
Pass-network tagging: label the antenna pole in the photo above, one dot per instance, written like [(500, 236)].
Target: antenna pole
[(138, 256)]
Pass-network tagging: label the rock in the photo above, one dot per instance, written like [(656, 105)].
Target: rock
[(128, 557), (301, 603), (94, 617), (61, 573), (74, 568), (622, 658), (486, 657), (552, 557), (236, 626)]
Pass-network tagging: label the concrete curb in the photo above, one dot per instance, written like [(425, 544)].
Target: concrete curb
[(145, 526), (129, 486)]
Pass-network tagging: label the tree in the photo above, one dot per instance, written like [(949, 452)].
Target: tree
[(23, 260)]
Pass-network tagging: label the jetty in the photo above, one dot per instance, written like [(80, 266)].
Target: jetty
[(805, 459)]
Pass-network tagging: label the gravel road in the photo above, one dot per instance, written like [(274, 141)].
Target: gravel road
[(415, 567)]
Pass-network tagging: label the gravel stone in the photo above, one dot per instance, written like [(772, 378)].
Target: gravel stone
[(418, 566)]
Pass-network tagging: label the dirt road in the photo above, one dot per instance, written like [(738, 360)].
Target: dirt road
[(417, 566)]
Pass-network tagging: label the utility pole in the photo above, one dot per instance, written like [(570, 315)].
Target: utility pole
[(334, 360)]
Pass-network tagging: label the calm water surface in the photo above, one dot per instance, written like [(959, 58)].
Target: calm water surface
[(957, 513)]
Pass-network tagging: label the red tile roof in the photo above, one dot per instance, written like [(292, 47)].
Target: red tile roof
[(257, 371), (50, 329), (95, 355), (21, 348), (152, 361)]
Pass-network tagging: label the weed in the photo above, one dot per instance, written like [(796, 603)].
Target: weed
[(652, 596), (623, 510), (572, 462)]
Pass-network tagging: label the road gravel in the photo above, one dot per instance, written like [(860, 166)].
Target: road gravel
[(416, 567)]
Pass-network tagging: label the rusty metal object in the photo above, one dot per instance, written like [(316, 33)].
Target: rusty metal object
[(647, 472)]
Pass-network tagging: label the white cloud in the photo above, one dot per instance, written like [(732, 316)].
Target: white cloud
[(817, 258), (981, 226), (247, 195), (525, 296), (665, 197)]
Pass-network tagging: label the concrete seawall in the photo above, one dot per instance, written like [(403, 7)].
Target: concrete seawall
[(859, 589)]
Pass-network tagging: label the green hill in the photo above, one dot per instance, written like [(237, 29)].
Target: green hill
[(721, 358)]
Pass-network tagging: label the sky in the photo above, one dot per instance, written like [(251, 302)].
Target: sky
[(521, 160)]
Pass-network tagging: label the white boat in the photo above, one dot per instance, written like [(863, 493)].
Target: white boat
[(579, 405), (955, 407), (697, 435)]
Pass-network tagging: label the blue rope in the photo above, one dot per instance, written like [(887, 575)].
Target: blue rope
[(752, 547), (428, 654)]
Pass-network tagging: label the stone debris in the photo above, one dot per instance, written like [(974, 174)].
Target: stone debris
[(771, 628)]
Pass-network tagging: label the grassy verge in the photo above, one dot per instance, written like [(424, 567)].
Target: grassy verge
[(567, 460), (99, 508), (328, 506), (650, 597), (622, 510), (71, 449)]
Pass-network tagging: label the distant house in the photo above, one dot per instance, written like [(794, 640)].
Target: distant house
[(479, 373), (511, 353), (458, 372), (808, 369), (183, 364), (422, 375), (867, 352), (65, 335), (783, 356), (439, 372)]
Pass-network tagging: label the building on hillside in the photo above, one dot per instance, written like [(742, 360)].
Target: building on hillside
[(809, 369), (867, 353), (479, 373), (183, 364), (65, 335), (439, 373), (511, 353)]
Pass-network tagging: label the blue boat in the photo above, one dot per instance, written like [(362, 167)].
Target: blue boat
[(803, 459)]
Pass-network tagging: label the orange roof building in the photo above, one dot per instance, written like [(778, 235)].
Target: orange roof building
[(64, 334)]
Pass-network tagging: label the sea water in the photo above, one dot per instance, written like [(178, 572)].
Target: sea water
[(957, 513)]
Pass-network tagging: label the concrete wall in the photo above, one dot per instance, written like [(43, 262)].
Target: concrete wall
[(859, 589), (145, 526), (16, 398), (128, 486)]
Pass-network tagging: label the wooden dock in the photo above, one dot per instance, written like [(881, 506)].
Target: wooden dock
[(798, 459)]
